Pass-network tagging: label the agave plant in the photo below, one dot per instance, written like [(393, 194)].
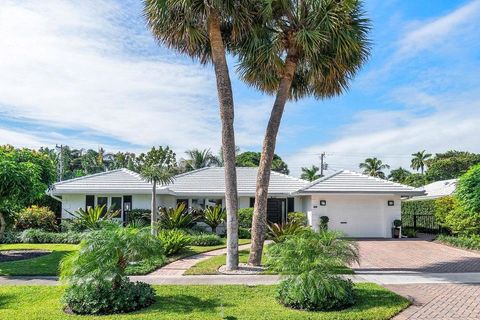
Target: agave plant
[(279, 231), (176, 218), (214, 216), (94, 217)]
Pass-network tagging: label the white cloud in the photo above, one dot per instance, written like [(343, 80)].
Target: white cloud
[(64, 65)]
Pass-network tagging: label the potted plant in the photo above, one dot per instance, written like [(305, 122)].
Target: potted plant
[(397, 229)]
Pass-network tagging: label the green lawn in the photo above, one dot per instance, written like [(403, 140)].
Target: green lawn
[(211, 265), (202, 302), (48, 265)]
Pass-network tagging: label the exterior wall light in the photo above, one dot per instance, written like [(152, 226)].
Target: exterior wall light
[(323, 203), (391, 203)]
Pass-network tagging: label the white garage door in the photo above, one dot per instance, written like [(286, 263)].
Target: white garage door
[(356, 217)]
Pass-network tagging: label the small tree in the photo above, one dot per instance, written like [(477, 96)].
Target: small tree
[(374, 167), (310, 174), (214, 216)]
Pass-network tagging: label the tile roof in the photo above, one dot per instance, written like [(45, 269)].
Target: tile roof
[(438, 189)]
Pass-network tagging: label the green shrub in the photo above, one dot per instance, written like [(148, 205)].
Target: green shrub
[(35, 217), (314, 291), (245, 216), (409, 232), (139, 214), (205, 239), (444, 206), (94, 218), (176, 218), (11, 236), (244, 233), (74, 225), (278, 232), (40, 236), (297, 217), (468, 190), (173, 240), (468, 242), (214, 216), (93, 297)]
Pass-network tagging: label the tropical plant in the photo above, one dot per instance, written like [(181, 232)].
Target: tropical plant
[(450, 165), (173, 240), (324, 223), (205, 239), (245, 216), (157, 168), (278, 232), (94, 217), (298, 49), (310, 174), (468, 189), (203, 30), (399, 175), (309, 283), (176, 218), (373, 167), (297, 217), (198, 159), (35, 217), (104, 254), (214, 216), (419, 160), (252, 159)]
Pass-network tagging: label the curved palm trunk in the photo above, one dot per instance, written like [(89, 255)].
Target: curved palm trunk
[(153, 219), (259, 223), (225, 96)]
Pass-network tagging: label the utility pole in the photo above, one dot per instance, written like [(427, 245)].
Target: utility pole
[(60, 161), (322, 157)]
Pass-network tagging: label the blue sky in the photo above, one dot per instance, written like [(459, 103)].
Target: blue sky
[(89, 74)]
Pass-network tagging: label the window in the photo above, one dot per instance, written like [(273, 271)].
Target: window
[(252, 202), (117, 205), (290, 205), (89, 201), (198, 204), (183, 201), (102, 201), (213, 202)]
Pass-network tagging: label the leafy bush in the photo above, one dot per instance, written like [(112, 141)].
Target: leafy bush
[(214, 216), (205, 239), (74, 225), (444, 206), (94, 218), (468, 191), (35, 217), (315, 290), (102, 298), (11, 236), (324, 222), (468, 242), (409, 232), (297, 217), (245, 216), (310, 283), (40, 236), (139, 214), (173, 240), (451, 214), (278, 232), (176, 218), (244, 233)]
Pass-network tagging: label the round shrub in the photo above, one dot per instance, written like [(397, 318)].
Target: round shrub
[(35, 217), (245, 216), (244, 233), (298, 217), (40, 236), (316, 291), (99, 297), (173, 240), (205, 239)]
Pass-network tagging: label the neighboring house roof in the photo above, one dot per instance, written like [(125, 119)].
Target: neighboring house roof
[(345, 181), (438, 189), (210, 182)]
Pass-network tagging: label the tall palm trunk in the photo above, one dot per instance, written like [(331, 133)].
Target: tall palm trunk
[(225, 96), (153, 220), (259, 223)]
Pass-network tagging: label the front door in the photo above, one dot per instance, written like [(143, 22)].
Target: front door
[(276, 210)]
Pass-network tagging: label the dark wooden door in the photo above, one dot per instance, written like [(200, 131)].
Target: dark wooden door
[(275, 210)]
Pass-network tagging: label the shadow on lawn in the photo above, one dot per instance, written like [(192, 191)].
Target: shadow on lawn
[(5, 299), (186, 304)]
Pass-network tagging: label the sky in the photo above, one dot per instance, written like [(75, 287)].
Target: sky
[(89, 74)]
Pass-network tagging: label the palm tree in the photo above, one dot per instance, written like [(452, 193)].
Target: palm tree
[(419, 159), (299, 49), (373, 167), (156, 174), (399, 175), (310, 174), (200, 159), (201, 29)]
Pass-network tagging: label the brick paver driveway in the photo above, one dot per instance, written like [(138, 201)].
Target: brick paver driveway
[(440, 301), (414, 256)]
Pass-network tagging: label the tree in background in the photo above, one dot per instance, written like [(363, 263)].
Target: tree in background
[(298, 49), (25, 175), (199, 159), (419, 160), (399, 175), (204, 30), (157, 167), (252, 159), (416, 180), (310, 174), (373, 167), (450, 165)]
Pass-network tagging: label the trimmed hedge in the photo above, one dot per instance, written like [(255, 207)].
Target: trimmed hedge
[(467, 242), (418, 207), (40, 236), (205, 239)]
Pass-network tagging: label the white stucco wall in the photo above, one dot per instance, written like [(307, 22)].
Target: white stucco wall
[(72, 202), (355, 215)]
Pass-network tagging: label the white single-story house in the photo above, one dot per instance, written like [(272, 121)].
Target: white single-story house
[(358, 205), (437, 189)]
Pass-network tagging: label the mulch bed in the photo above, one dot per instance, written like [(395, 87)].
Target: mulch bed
[(14, 255)]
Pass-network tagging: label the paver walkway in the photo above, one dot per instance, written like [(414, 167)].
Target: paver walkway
[(178, 268), (440, 301), (414, 256)]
